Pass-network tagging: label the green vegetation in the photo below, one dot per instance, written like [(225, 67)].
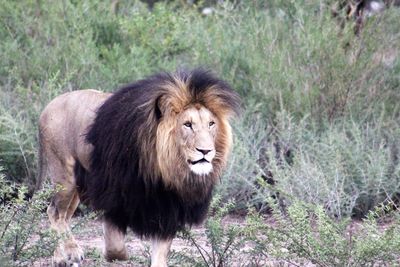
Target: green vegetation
[(321, 111), (303, 236), (23, 236)]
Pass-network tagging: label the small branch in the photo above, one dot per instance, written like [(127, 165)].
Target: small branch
[(8, 224), (22, 153), (200, 249), (15, 248)]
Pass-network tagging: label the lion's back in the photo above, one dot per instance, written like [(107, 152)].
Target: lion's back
[(65, 121)]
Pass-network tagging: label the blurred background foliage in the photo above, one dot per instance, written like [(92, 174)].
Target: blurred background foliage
[(320, 90)]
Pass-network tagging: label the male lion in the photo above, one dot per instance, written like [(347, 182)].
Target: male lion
[(147, 156)]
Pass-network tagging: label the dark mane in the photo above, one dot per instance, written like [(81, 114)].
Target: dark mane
[(124, 181)]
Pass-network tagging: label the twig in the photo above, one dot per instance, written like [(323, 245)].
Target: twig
[(8, 224), (200, 249)]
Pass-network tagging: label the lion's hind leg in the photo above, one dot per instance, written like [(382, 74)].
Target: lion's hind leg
[(60, 211)]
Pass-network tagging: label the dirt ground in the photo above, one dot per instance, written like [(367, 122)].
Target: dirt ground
[(90, 237)]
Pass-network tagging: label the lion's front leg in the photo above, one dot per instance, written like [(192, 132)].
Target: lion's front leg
[(159, 251), (114, 242), (68, 253)]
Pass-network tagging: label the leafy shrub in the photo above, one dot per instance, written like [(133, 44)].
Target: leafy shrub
[(308, 235), (23, 236), (302, 235), (223, 241), (349, 168)]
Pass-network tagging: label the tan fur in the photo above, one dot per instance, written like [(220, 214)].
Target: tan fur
[(62, 126)]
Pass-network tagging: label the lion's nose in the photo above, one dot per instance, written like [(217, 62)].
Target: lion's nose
[(204, 151)]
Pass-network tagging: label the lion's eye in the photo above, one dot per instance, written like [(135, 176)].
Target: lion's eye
[(188, 124), (211, 123)]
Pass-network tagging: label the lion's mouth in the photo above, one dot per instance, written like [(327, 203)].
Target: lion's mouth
[(200, 167), (203, 160)]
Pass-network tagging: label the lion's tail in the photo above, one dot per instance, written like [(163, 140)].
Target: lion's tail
[(42, 164)]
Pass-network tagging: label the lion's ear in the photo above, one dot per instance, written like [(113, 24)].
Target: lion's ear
[(162, 107), (158, 108)]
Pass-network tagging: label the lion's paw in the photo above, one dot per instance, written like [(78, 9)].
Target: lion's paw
[(121, 255), (162, 263), (68, 254)]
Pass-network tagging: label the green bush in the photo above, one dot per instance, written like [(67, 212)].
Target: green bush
[(223, 243), (308, 235), (23, 236), (302, 235)]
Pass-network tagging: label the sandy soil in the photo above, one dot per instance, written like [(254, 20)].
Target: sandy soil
[(90, 237)]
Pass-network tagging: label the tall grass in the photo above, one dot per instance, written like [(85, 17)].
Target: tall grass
[(321, 104)]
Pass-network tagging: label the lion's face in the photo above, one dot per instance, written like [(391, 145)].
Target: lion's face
[(196, 133), (193, 134)]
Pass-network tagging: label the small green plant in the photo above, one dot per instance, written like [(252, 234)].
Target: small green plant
[(142, 259), (308, 235), (223, 239), (302, 234), (24, 237)]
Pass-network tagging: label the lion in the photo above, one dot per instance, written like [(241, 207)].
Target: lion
[(147, 157)]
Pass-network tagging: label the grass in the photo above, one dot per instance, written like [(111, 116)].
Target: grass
[(321, 113)]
